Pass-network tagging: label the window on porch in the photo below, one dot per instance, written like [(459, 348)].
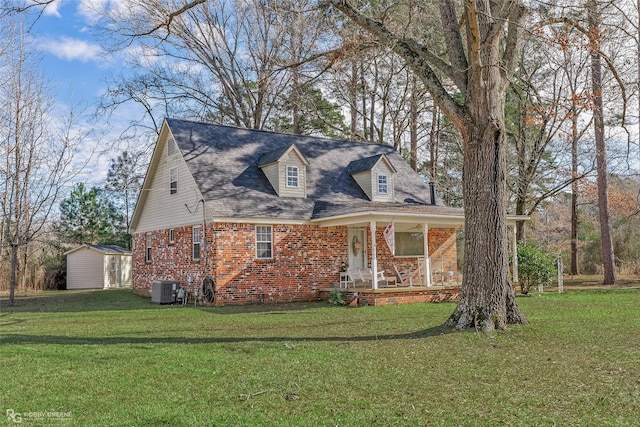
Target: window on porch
[(409, 244)]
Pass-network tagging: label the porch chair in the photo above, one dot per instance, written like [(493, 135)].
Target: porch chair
[(405, 278), (365, 275), (354, 276)]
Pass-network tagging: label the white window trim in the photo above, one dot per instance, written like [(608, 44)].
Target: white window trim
[(196, 242), (296, 177), (270, 241), (386, 183), (173, 177), (172, 236), (148, 246)]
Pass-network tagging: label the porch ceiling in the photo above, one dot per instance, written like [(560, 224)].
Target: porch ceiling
[(400, 219), (404, 221)]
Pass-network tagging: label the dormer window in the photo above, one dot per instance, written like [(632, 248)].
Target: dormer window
[(292, 176), (286, 170), (383, 184), (374, 175)]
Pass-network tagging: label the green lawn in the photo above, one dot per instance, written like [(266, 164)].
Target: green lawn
[(111, 358)]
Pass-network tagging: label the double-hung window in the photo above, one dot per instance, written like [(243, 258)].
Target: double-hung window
[(196, 243), (292, 176), (147, 256), (383, 184), (173, 180), (264, 242)]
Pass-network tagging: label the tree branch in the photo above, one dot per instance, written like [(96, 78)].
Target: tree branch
[(170, 17), (416, 55)]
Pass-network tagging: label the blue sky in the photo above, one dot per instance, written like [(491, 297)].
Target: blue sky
[(76, 66), (72, 58)]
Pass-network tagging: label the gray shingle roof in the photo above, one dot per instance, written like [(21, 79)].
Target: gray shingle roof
[(224, 161), (361, 165), (272, 156), (105, 249)]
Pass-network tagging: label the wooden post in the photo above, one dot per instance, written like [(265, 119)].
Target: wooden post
[(427, 263), (374, 261), (560, 278), (514, 261)]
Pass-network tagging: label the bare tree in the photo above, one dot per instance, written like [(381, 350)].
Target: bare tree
[(232, 62), (36, 148)]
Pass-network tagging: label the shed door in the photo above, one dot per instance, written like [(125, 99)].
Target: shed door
[(115, 269)]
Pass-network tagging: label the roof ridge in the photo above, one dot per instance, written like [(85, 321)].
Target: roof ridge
[(292, 135)]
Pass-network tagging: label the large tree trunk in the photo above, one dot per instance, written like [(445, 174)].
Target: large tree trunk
[(481, 71), (608, 262), (486, 298)]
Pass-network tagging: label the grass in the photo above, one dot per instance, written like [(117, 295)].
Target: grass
[(113, 358)]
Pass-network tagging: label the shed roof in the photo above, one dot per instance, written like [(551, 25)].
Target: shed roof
[(104, 249)]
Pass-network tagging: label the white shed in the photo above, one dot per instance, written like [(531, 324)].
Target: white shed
[(98, 267)]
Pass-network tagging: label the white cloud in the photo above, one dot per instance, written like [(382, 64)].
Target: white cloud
[(95, 10), (53, 9), (72, 49), (91, 10)]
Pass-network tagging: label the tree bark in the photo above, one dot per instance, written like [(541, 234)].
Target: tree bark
[(608, 260), (413, 125), (481, 74), (575, 266), (434, 143), (353, 100), (486, 299)]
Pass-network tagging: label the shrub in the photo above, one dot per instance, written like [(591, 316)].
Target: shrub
[(535, 267), (337, 297)]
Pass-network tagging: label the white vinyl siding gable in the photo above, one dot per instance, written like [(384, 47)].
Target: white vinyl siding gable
[(292, 160), (382, 169), (277, 175), (368, 181), (163, 210), (363, 179), (272, 172)]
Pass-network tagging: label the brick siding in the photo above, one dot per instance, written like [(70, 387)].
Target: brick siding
[(306, 258)]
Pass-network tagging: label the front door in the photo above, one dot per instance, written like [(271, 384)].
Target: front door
[(357, 248)]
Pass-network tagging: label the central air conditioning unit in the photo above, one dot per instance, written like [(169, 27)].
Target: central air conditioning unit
[(164, 291)]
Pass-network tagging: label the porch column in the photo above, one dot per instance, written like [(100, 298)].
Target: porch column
[(427, 262), (374, 260), (515, 256)]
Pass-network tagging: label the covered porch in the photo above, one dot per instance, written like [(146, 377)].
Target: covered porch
[(391, 295), (407, 254)]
